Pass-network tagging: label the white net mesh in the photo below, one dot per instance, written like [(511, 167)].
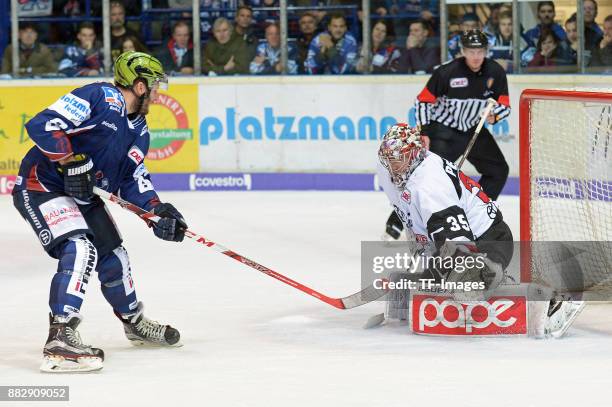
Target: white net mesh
[(571, 189)]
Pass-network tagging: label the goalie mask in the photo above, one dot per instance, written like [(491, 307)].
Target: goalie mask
[(400, 152)]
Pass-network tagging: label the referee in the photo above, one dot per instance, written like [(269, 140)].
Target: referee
[(448, 110)]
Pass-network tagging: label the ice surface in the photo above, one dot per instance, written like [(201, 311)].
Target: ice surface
[(250, 340)]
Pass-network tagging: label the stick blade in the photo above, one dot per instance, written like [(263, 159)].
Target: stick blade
[(374, 321), (368, 294)]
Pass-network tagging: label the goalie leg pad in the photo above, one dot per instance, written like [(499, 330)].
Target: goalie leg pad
[(398, 301)]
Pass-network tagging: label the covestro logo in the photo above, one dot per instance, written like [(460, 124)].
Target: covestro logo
[(203, 182)]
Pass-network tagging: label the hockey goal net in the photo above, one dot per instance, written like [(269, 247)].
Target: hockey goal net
[(566, 187)]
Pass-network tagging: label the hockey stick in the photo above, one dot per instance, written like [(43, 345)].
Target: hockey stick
[(490, 104), (362, 297)]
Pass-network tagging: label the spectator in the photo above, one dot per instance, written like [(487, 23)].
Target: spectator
[(209, 13), (180, 4), (592, 32), (118, 28), (550, 55), (267, 60), (469, 22), (177, 55), (571, 42), (35, 58), (84, 57), (308, 29), (592, 36), (333, 51), (422, 54), (423, 9), (491, 27), (243, 28), (269, 16), (378, 7), (385, 56), (227, 53), (64, 32), (501, 50), (318, 14), (131, 43), (603, 55), (546, 17)]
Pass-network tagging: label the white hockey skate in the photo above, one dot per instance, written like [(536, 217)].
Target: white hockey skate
[(140, 330), (64, 351), (561, 315)]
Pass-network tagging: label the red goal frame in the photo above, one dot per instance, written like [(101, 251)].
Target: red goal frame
[(527, 96)]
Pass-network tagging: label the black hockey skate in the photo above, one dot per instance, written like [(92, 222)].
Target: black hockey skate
[(140, 330), (64, 350)]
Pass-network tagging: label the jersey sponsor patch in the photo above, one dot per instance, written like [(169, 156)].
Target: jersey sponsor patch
[(45, 237), (114, 98), (136, 155), (85, 262), (62, 216), (128, 283), (406, 196), (110, 125), (458, 83), (72, 108), (441, 315)]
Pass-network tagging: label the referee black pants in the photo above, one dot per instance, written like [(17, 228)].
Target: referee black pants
[(485, 156)]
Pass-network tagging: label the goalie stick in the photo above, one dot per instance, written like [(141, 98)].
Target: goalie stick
[(357, 299)]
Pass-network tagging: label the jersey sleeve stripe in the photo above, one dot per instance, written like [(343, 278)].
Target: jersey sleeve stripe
[(57, 156), (73, 132), (504, 100), (33, 183), (426, 96)]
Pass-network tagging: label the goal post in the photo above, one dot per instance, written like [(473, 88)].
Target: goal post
[(565, 150)]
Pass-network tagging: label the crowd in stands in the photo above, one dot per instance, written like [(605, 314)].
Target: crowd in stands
[(245, 41)]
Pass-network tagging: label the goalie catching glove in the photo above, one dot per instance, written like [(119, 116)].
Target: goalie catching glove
[(171, 226)]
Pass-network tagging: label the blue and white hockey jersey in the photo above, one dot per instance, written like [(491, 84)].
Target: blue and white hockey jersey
[(90, 120), (341, 59)]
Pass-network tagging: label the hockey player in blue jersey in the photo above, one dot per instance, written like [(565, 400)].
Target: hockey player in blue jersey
[(95, 135)]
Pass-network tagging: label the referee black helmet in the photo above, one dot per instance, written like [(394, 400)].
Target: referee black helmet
[(474, 39)]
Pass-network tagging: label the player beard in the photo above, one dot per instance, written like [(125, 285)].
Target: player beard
[(144, 110)]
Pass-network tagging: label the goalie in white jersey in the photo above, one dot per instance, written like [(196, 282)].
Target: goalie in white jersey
[(444, 207), (441, 204)]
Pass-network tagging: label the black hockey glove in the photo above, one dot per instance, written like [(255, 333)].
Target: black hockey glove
[(394, 226), (79, 177), (171, 226)]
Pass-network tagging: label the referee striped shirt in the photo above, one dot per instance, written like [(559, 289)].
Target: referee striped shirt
[(455, 95)]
